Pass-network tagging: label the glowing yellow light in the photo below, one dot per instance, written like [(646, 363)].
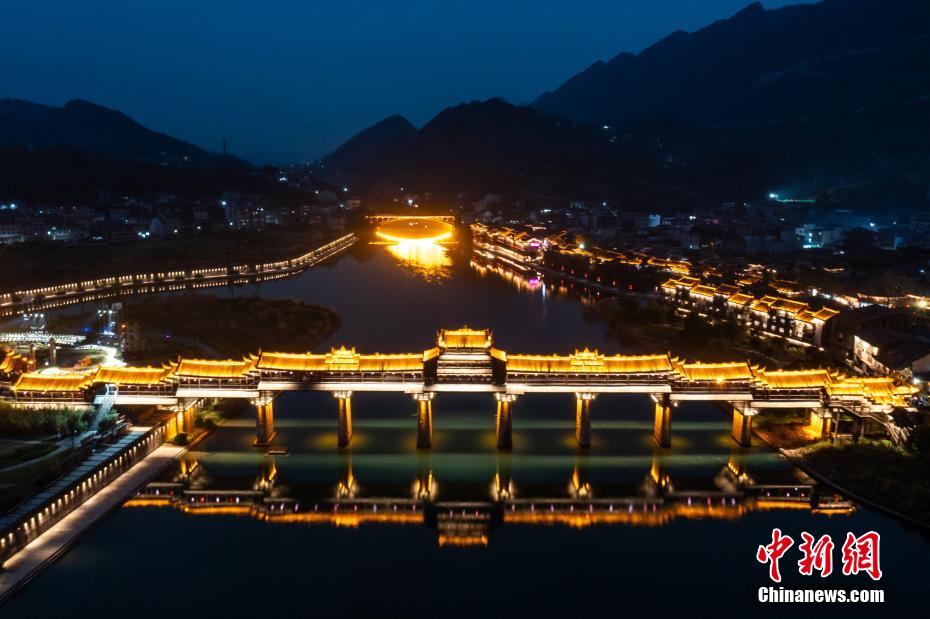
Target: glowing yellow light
[(429, 260), (407, 230), (414, 241)]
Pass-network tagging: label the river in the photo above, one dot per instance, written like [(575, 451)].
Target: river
[(694, 555)]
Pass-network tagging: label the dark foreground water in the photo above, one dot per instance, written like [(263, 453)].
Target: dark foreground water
[(689, 559)]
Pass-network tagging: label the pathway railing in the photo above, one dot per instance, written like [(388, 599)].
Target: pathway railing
[(59, 295), (35, 516)]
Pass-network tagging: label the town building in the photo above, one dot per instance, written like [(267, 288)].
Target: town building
[(883, 351), (788, 319)]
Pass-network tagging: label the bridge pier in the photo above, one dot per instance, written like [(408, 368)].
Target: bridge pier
[(662, 427), (264, 421), (821, 422), (505, 419), (742, 423), (344, 431), (188, 418), (424, 419), (583, 418)]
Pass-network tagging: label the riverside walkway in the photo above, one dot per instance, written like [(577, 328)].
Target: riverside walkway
[(24, 565)]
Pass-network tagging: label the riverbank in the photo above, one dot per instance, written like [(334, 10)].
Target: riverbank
[(194, 324), (37, 264), (890, 478), (651, 327), (51, 544)]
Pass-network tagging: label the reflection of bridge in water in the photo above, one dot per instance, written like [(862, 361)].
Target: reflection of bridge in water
[(656, 501), (465, 361)]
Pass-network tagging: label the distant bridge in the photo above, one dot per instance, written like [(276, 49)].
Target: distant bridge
[(465, 361), (385, 218)]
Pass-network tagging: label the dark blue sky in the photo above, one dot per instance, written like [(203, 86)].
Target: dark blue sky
[(289, 80)]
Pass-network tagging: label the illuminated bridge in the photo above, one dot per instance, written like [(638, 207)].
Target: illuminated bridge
[(385, 218), (466, 361), (418, 229)]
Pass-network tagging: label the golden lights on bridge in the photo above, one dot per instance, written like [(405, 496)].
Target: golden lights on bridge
[(418, 243)]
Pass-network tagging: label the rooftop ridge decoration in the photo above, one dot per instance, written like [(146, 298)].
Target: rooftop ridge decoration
[(464, 338)]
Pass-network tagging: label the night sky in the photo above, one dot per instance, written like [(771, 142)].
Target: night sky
[(291, 80)]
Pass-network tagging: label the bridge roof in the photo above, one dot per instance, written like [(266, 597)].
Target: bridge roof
[(205, 368), (589, 362), (464, 338), (340, 359), (11, 362), (714, 371), (795, 379), (390, 363), (132, 375), (882, 390), (294, 362), (63, 382)]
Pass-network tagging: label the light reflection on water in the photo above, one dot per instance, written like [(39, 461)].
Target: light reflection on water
[(533, 563), (429, 260)]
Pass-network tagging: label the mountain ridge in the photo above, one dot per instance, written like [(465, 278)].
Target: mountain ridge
[(93, 128)]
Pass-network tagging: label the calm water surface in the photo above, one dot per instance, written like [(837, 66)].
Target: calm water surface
[(146, 561)]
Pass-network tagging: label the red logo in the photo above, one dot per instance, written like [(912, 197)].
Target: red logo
[(859, 554), (773, 552), (817, 555)]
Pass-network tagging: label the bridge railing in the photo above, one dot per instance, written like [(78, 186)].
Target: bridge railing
[(63, 294), (586, 379), (65, 496)]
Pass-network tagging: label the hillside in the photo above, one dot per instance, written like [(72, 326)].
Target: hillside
[(92, 128), (806, 100)]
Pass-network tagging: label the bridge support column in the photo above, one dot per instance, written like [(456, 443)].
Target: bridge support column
[(505, 419), (662, 428), (188, 424), (742, 423), (264, 421), (583, 418), (344, 431), (424, 419), (821, 422)]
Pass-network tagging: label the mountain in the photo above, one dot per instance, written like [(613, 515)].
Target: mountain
[(494, 146), (825, 99), (92, 128), (373, 144), (828, 94), (770, 66), (71, 154)]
